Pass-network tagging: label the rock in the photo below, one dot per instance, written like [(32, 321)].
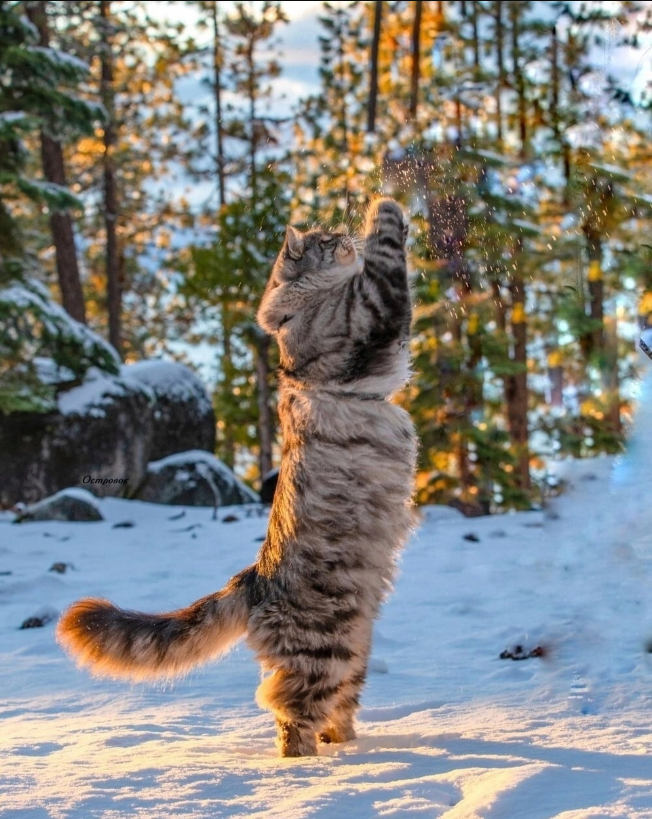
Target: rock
[(60, 568), (268, 487), (68, 505), (99, 438), (183, 417), (41, 618), (193, 478), (104, 433), (471, 537), (470, 509)]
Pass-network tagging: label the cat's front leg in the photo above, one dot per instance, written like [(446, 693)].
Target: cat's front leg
[(385, 266), (385, 230), (382, 292)]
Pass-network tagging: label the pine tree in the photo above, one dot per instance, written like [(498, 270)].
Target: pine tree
[(54, 170), (231, 273), (494, 265), (37, 94), (135, 58)]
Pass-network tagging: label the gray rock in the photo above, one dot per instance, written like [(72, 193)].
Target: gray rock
[(67, 505), (183, 417), (193, 478), (107, 429), (42, 617), (100, 438), (470, 509)]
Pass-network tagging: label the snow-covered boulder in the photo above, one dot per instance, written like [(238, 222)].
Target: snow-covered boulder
[(99, 439), (67, 505), (193, 478), (103, 432), (183, 416)]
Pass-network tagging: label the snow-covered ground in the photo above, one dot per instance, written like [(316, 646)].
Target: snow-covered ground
[(446, 729)]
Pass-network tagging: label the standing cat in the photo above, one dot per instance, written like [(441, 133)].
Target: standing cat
[(342, 508)]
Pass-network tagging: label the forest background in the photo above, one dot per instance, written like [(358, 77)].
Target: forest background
[(149, 165)]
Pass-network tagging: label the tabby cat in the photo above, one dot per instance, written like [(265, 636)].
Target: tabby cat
[(342, 508)]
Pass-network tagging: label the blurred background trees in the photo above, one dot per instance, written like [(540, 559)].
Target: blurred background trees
[(152, 209)]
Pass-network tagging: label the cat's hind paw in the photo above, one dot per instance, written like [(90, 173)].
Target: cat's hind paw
[(333, 735)]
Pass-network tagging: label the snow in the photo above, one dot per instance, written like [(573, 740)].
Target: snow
[(61, 58), (79, 494), (154, 378), (182, 459), (33, 296), (170, 379), (98, 390), (12, 116), (49, 372), (447, 729), (613, 171)]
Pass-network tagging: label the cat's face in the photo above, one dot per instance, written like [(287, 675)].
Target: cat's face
[(317, 257), (307, 264)]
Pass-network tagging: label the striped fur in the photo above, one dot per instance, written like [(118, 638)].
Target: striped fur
[(342, 508)]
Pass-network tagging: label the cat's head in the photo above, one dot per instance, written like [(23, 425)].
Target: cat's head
[(308, 262)]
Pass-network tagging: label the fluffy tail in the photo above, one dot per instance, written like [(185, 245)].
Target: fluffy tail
[(113, 642)]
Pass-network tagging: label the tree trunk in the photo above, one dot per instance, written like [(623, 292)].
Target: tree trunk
[(603, 339), (459, 122), (343, 123), (596, 289), (253, 138), (265, 418), (476, 35), (217, 90), (519, 80), (498, 303), (611, 377), (228, 370), (498, 11), (113, 282), (516, 389), (448, 236), (63, 237), (373, 80), (416, 59)]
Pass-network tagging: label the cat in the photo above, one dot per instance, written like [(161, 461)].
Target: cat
[(342, 508)]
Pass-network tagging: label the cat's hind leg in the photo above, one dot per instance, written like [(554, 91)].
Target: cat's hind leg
[(300, 703), (339, 725)]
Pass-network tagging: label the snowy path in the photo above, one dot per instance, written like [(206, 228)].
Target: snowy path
[(447, 728)]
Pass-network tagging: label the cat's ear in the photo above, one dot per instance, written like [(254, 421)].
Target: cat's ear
[(293, 243)]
